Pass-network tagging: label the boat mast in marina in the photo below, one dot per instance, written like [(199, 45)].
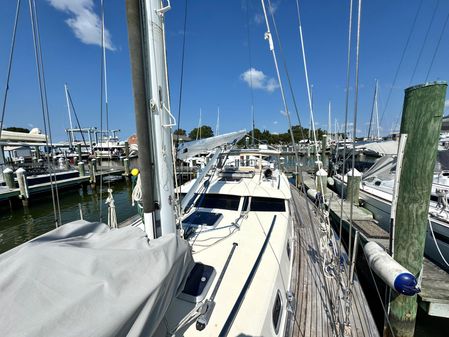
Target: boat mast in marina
[(153, 117), (71, 138)]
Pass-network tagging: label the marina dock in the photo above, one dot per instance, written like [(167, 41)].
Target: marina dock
[(316, 303), (434, 295), (11, 194)]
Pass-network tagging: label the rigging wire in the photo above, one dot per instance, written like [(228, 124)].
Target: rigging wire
[(354, 131), (250, 71), (102, 68), (424, 42), (438, 45), (106, 96), (8, 76), (326, 288), (182, 72), (348, 79), (45, 112), (287, 73), (306, 73), (372, 110), (273, 52), (401, 60), (76, 116)]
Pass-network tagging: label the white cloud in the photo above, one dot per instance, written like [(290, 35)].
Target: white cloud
[(259, 18), (275, 122), (446, 104), (283, 113), (258, 80), (84, 22)]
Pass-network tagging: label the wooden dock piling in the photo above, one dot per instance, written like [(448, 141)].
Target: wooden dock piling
[(81, 168), (23, 185), (353, 189), (421, 122), (8, 177)]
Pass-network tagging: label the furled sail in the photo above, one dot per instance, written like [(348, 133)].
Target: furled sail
[(195, 147)]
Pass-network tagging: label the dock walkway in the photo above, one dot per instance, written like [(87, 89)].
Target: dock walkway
[(319, 296), (434, 295), (9, 193)]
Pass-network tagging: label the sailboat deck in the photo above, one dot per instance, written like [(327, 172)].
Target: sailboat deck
[(315, 313)]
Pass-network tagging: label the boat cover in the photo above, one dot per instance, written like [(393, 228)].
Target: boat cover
[(195, 147), (388, 147), (84, 279)]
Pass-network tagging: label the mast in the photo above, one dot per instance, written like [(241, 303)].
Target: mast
[(217, 127), (329, 123), (153, 117), (376, 108), (71, 139), (254, 124), (198, 130)]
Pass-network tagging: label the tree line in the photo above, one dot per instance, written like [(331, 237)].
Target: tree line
[(264, 136)]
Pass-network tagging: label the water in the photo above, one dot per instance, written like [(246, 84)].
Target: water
[(20, 224)]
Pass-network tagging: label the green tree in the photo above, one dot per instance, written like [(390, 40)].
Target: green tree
[(17, 129), (205, 131), (180, 132)]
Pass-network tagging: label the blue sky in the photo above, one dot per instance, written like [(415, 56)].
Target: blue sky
[(216, 59)]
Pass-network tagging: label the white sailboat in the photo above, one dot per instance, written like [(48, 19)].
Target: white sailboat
[(376, 192), (219, 264)]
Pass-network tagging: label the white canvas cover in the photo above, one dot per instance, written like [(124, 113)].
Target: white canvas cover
[(193, 148), (84, 279)]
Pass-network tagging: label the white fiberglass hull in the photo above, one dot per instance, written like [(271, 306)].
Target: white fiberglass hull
[(379, 203)]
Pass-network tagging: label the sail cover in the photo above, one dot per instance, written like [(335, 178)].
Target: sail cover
[(84, 279)]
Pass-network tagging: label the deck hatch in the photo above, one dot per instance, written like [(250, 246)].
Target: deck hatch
[(203, 218), (198, 283)]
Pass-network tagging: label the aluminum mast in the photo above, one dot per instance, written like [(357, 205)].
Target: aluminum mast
[(153, 117)]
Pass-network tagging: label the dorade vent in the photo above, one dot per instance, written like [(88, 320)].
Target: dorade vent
[(277, 312)]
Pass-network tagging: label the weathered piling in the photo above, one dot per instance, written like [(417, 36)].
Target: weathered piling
[(353, 186), (23, 185), (323, 144), (37, 154), (8, 177), (92, 176), (421, 122), (81, 169), (126, 149), (321, 181), (78, 151), (126, 165)]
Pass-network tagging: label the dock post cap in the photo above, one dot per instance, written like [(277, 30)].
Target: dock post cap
[(20, 170), (356, 173), (427, 84), (7, 170), (321, 172)]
